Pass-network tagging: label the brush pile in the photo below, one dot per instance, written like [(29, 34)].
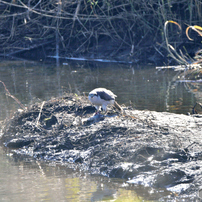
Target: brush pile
[(120, 29)]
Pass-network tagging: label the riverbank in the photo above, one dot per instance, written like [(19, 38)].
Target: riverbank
[(159, 150), (127, 31)]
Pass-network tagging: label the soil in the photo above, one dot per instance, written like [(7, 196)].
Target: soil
[(154, 149)]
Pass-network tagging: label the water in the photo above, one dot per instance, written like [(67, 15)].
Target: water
[(140, 87), (24, 179), (28, 180)]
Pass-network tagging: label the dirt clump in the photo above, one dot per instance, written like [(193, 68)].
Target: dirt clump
[(156, 149)]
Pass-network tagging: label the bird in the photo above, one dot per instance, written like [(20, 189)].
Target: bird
[(101, 97)]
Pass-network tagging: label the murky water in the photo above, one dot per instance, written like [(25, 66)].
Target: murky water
[(141, 87), (28, 180)]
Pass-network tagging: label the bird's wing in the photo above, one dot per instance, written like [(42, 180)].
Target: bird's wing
[(105, 96)]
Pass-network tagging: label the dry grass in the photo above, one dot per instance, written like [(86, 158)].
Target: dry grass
[(181, 58), (75, 27)]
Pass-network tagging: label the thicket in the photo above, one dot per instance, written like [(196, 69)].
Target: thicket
[(76, 27)]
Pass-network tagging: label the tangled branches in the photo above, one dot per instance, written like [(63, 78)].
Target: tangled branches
[(77, 27)]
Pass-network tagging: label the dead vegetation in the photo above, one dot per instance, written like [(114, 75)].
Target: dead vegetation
[(85, 27), (181, 58)]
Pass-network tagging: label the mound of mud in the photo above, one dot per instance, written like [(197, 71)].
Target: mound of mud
[(159, 150)]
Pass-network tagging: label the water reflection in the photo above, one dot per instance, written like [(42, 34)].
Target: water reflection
[(28, 180), (143, 88)]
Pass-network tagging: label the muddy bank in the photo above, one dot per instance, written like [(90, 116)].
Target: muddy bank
[(159, 150)]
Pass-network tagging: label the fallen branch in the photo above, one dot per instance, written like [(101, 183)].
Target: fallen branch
[(176, 67), (180, 67), (190, 81)]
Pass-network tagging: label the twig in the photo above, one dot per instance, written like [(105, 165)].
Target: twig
[(8, 93), (38, 118), (170, 48), (74, 19), (26, 49)]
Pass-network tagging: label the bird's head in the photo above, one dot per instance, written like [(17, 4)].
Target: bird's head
[(91, 96)]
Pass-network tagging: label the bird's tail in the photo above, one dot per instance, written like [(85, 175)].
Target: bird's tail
[(117, 106)]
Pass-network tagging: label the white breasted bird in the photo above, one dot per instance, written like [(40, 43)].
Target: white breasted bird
[(101, 97)]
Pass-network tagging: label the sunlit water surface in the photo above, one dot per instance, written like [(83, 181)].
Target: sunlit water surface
[(24, 179)]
